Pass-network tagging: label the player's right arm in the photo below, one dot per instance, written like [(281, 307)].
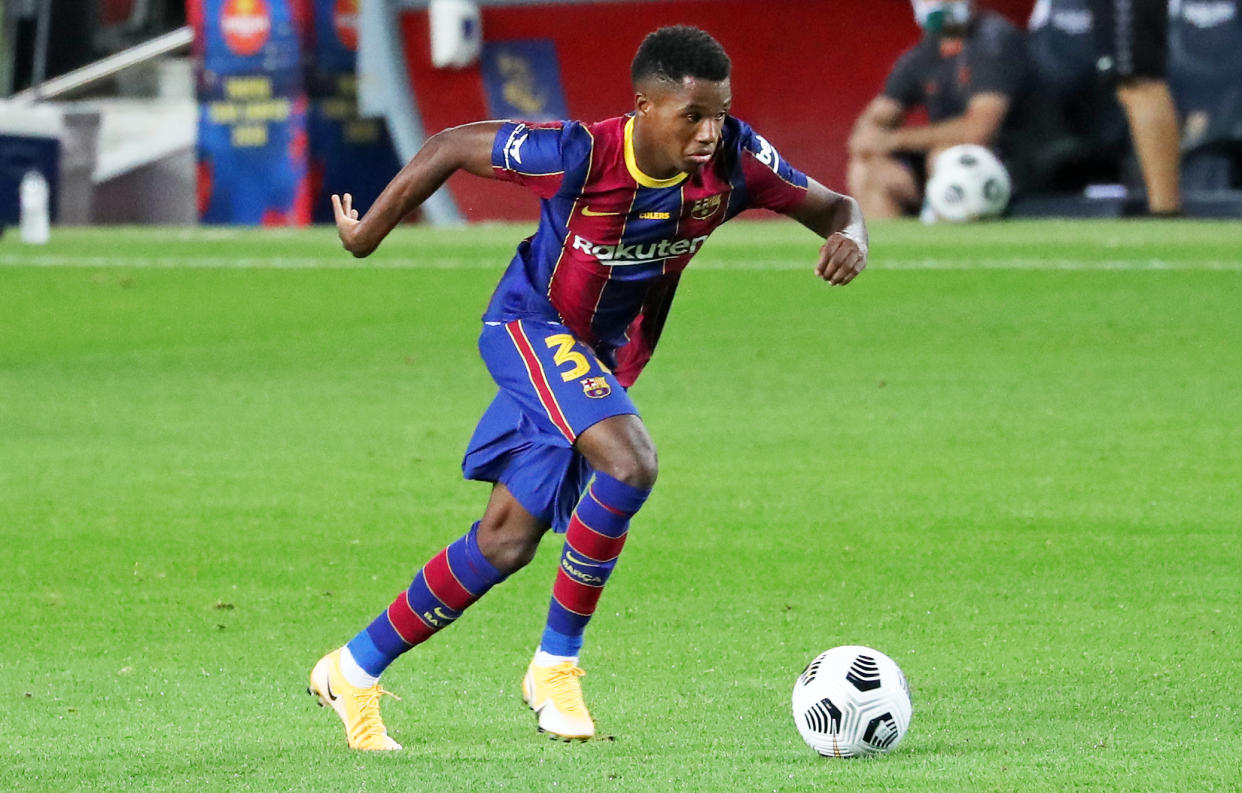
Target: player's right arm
[(465, 148)]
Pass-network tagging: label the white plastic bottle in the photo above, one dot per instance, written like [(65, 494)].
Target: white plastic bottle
[(33, 195)]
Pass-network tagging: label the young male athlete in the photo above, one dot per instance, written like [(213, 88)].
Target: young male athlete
[(626, 203)]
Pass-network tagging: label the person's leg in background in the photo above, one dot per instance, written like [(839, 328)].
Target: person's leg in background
[(1132, 39)]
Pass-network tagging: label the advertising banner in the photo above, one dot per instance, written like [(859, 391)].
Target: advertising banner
[(348, 154), (522, 79), (252, 133)]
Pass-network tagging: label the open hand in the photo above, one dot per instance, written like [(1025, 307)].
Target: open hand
[(347, 223)]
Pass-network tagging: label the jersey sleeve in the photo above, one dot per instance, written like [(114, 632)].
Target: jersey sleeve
[(771, 182), (532, 155)]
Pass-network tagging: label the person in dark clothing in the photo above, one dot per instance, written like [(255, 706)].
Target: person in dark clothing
[(1132, 45), (969, 72), (1084, 133)]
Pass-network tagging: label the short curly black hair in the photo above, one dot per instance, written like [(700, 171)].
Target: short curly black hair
[(678, 51)]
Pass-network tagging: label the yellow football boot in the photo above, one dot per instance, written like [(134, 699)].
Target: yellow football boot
[(555, 694), (357, 707)]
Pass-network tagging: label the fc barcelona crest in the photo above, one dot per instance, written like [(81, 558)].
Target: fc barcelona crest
[(705, 207), (595, 387)]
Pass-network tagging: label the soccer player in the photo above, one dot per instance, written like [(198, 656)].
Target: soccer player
[(626, 203)]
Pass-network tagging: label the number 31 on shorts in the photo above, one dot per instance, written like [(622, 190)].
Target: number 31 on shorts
[(565, 353)]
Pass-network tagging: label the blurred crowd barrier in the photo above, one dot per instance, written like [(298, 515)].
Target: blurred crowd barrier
[(278, 125), (1204, 74), (804, 70)]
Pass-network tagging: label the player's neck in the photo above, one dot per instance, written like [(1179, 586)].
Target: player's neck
[(647, 159)]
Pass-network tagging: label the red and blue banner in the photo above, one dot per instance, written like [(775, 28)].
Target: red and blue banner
[(348, 154), (334, 39), (252, 131)]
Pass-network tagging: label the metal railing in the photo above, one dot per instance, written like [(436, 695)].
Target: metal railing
[(100, 70)]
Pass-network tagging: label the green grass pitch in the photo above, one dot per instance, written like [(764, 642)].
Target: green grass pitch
[(1008, 456)]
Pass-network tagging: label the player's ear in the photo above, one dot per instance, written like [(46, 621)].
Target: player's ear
[(642, 103)]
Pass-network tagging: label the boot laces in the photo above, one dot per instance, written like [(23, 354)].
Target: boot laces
[(369, 724), (565, 688)]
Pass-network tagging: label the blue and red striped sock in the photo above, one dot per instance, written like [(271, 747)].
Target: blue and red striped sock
[(453, 579), (593, 541)]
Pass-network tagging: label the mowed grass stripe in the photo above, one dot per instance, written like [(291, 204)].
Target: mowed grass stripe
[(740, 245)]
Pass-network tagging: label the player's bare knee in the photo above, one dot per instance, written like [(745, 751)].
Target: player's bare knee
[(506, 546), (637, 468), (621, 448), (512, 555)]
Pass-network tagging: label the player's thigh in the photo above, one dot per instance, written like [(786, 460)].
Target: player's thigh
[(558, 384), (536, 466)]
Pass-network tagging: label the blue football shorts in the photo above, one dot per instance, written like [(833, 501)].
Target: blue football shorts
[(552, 388)]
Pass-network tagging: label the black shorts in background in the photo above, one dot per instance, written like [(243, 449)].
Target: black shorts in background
[(1131, 37)]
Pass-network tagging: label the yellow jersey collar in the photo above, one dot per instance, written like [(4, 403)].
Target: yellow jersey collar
[(632, 165)]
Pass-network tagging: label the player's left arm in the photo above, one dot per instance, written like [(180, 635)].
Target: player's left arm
[(838, 219)]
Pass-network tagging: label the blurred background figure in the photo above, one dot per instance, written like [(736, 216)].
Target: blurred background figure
[(135, 115), (1205, 76), (969, 74), (1132, 48), (1084, 133), (1088, 137)]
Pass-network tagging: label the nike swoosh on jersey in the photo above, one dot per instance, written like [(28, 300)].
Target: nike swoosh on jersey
[(591, 213)]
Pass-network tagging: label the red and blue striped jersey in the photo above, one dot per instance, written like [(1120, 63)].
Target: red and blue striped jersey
[(612, 241)]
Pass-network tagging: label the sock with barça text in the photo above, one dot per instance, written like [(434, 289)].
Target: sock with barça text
[(593, 541), (452, 580)]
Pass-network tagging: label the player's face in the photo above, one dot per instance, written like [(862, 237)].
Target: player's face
[(677, 127)]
